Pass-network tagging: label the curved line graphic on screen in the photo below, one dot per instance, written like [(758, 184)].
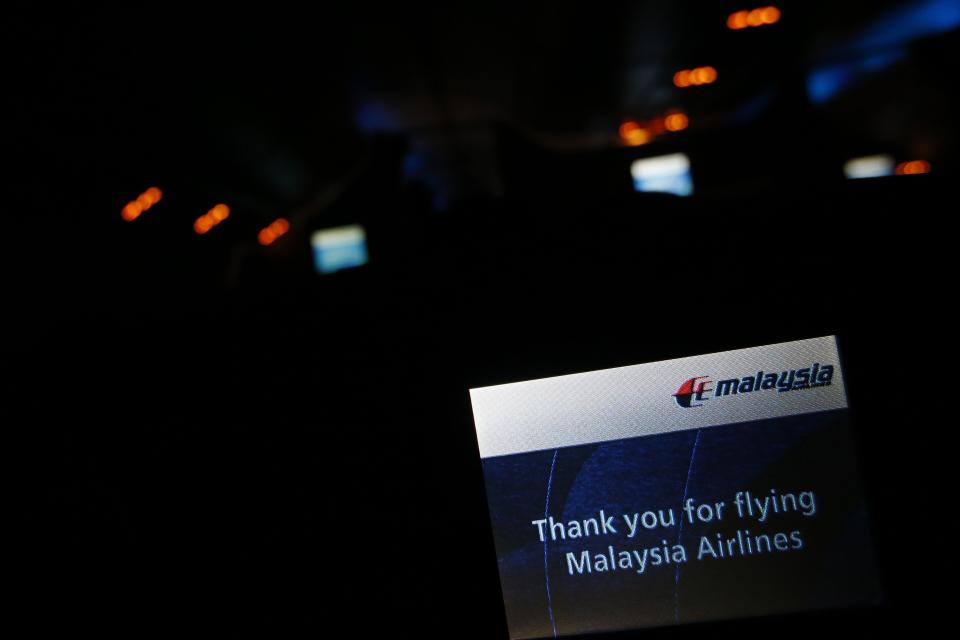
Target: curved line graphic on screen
[(546, 568), (676, 573)]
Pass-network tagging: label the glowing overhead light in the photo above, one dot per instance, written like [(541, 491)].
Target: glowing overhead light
[(633, 134), (754, 18), (203, 224), (628, 127), (770, 15), (273, 231), (638, 137), (874, 166), (217, 214), (738, 20), (913, 167), (694, 77), (676, 122), (133, 209)]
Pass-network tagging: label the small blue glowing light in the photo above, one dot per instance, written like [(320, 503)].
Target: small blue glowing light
[(911, 21), (825, 82), (880, 44)]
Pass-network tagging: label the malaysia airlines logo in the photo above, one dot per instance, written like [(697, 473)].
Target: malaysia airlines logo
[(694, 391), (690, 393)]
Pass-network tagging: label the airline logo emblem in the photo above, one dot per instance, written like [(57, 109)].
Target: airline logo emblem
[(696, 390)]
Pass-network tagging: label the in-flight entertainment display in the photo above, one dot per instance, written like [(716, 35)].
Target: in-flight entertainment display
[(703, 488)]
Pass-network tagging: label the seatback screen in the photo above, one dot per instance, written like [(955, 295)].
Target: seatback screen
[(703, 488)]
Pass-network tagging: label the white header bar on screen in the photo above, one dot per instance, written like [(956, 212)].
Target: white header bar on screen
[(642, 399)]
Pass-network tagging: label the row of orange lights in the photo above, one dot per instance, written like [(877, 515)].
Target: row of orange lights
[(273, 231), (635, 134), (694, 77), (217, 214), (912, 167), (211, 218), (632, 133), (144, 201), (755, 18)]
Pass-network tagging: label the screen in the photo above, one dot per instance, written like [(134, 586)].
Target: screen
[(876, 166), (339, 248), (663, 174), (704, 488)]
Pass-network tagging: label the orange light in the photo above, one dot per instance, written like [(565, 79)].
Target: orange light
[(266, 237), (628, 127), (273, 231), (738, 20), (633, 134), (638, 137), (754, 18), (694, 77), (676, 122), (913, 167), (131, 212), (154, 195), (219, 213), (203, 224)]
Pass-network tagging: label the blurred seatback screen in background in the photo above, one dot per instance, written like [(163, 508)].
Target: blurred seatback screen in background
[(663, 174), (339, 248)]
